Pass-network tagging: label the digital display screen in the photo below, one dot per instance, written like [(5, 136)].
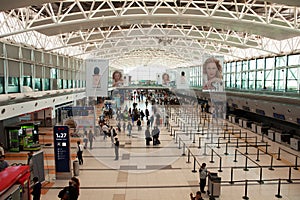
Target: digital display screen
[(62, 148)]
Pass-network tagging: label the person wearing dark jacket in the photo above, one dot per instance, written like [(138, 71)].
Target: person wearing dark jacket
[(69, 192), (36, 189)]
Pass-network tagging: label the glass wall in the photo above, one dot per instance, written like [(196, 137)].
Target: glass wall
[(278, 74), (24, 66)]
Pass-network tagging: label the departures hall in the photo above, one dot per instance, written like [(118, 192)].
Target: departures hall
[(149, 100)]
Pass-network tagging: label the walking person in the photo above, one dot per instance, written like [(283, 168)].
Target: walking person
[(129, 128), (36, 189), (124, 126), (79, 152), (91, 138), (85, 139), (117, 145), (148, 136), (203, 174)]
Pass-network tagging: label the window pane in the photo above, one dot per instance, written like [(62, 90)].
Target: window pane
[(252, 80), (38, 84), (27, 81), (270, 62), (260, 63), (244, 80), (294, 59), (281, 61), (13, 85), (252, 64), (259, 79), (1, 85), (279, 80), (46, 84)]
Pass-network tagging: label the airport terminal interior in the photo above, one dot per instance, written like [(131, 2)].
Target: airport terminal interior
[(128, 100)]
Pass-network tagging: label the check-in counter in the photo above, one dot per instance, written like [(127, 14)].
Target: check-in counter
[(262, 129), (271, 134), (295, 143), (233, 119), (241, 122), (253, 127)]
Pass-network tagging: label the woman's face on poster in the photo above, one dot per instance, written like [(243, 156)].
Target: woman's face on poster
[(117, 76), (211, 70)]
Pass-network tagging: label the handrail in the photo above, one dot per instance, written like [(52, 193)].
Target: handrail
[(296, 156)]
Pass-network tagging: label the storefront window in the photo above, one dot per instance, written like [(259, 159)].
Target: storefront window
[(38, 84), (13, 85), (1, 85), (27, 81), (46, 84)]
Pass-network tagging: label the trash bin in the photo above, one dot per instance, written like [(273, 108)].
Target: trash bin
[(76, 168), (214, 185)]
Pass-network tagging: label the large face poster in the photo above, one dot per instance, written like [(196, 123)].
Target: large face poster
[(96, 77), (212, 73), (118, 79), (169, 78), (182, 78)]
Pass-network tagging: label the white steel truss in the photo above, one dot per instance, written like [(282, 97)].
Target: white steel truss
[(119, 29)]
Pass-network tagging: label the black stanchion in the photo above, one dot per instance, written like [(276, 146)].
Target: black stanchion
[(218, 143), (278, 191), (183, 149), (189, 154), (220, 165), (246, 164), (194, 137), (256, 141), (290, 175), (246, 148), (226, 149), (266, 147), (257, 155), (260, 176), (296, 163), (235, 153), (194, 170), (231, 176), (199, 147), (212, 156), (246, 190), (278, 156), (271, 166), (237, 142)]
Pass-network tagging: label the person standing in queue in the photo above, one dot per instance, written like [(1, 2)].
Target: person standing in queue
[(117, 145), (79, 152), (203, 174), (36, 189)]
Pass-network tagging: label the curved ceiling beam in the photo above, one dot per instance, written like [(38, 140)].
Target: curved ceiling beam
[(9, 4), (230, 38), (261, 19)]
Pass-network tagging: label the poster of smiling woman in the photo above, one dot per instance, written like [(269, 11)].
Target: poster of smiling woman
[(212, 73), (96, 77)]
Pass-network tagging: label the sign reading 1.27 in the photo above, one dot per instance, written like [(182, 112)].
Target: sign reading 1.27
[(61, 135)]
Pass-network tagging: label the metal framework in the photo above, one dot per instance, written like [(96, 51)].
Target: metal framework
[(177, 32)]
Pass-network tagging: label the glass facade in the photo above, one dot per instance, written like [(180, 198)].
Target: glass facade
[(278, 74)]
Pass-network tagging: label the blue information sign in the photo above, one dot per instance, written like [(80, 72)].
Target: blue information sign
[(62, 148)]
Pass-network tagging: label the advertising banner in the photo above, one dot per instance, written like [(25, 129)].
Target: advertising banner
[(212, 73), (96, 77)]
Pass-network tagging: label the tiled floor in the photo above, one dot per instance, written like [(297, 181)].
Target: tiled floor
[(162, 172)]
